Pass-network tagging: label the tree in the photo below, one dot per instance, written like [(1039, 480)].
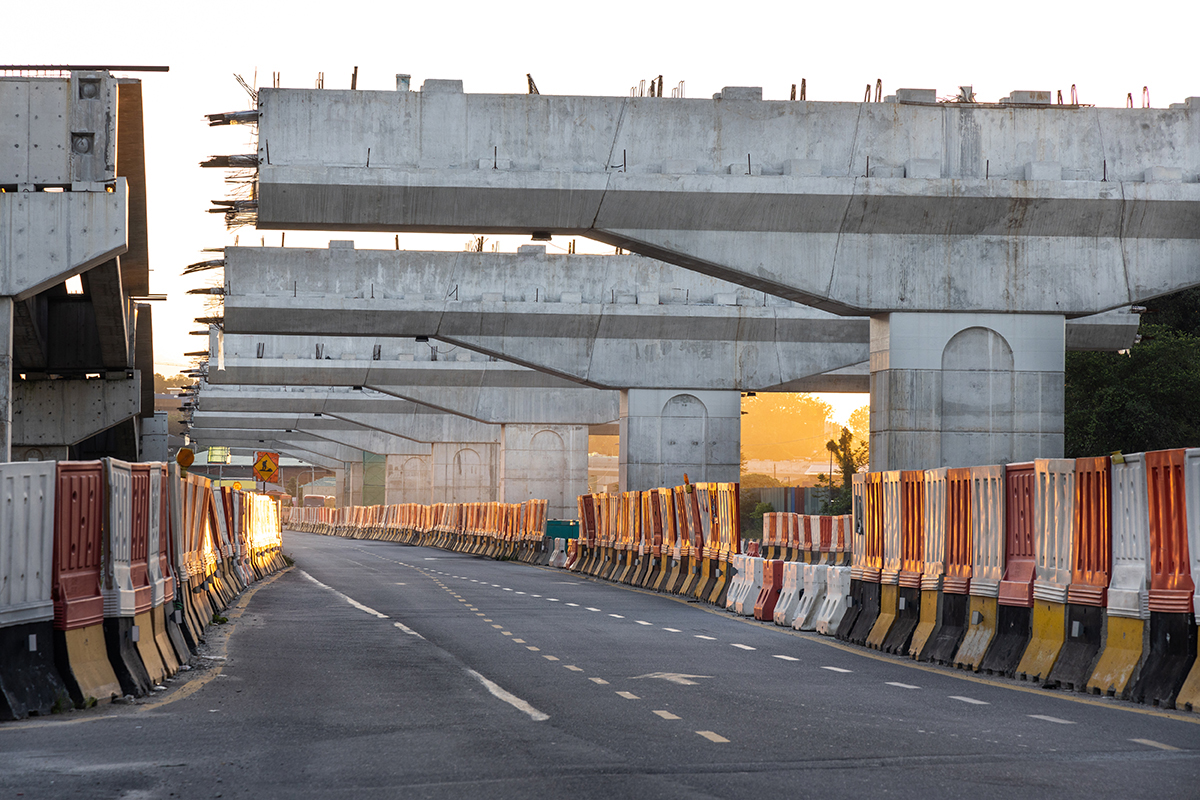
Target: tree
[(848, 455), (781, 426), (1144, 399), (860, 423), (162, 383)]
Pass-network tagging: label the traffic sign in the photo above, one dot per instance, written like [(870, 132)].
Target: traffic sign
[(266, 466)]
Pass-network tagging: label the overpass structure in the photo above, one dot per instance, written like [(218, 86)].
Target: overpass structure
[(73, 205), (967, 233)]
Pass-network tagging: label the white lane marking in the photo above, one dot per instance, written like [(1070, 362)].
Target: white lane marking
[(673, 630), (553, 599), (589, 608), (507, 589), (408, 630), (535, 595), (743, 647), (600, 681), (519, 641), (535, 649), (1050, 719), (573, 668), (667, 715), (480, 614), (497, 626), (713, 737), (510, 698), (837, 669), (496, 585), (643, 622), (349, 600), (901, 685), (709, 638), (970, 700), (787, 658), (402, 584), (629, 695), (573, 605), (550, 658), (520, 593), (1152, 743), (506, 633), (618, 616), (680, 678)]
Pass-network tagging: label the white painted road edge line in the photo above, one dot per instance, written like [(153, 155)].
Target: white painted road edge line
[(349, 600), (509, 697), (407, 630), (1152, 743)]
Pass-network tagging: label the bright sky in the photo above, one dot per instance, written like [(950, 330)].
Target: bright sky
[(1108, 49)]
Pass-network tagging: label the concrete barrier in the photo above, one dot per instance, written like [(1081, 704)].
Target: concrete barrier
[(29, 682)]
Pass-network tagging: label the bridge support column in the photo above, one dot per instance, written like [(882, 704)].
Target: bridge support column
[(958, 390), (464, 472), (548, 462), (6, 377), (665, 433)]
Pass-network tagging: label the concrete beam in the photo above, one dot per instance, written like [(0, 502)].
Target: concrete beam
[(113, 312), (65, 412), (47, 237), (607, 321), (857, 208), (326, 427)]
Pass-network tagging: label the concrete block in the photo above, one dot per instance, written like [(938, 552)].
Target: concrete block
[(802, 167), (680, 166), (916, 95), (725, 299), (1031, 97), (571, 297), (537, 249), (1163, 175), (885, 171), (923, 168), (403, 82), (1043, 171), (341, 244), (742, 168), (741, 93), (441, 86), (1192, 102), (647, 298)]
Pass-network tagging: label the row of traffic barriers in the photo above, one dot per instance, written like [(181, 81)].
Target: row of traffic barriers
[(109, 573), (505, 531), (686, 540), (1072, 573)]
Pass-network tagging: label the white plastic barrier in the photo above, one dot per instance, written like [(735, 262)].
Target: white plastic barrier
[(738, 584), (934, 530), (1054, 518), (559, 557), (26, 541), (117, 587), (1129, 589), (157, 529), (749, 596), (987, 530), (836, 602), (813, 597), (789, 596), (891, 527)]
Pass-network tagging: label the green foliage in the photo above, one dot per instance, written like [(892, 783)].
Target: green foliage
[(1145, 399), (849, 454), (162, 383), (760, 509)]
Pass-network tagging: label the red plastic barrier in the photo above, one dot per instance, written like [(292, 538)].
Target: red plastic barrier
[(753, 549), (1020, 565), (1092, 566), (768, 596), (1171, 585), (825, 533), (957, 579), (912, 528), (78, 526), (139, 554)]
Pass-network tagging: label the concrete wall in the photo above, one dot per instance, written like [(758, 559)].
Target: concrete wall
[(665, 434), (545, 462), (465, 472)]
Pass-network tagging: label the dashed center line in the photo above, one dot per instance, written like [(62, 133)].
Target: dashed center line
[(573, 668), (506, 633), (520, 593), (743, 647), (550, 658), (713, 737), (535, 649), (673, 630), (507, 589), (496, 626), (837, 669), (643, 622), (1152, 743), (553, 599), (519, 641), (970, 700), (618, 616), (902, 685), (787, 658), (1050, 719), (709, 638), (629, 695), (667, 715), (573, 605), (589, 608), (600, 681)]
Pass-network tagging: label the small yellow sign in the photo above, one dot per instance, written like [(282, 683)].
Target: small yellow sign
[(266, 466), (185, 457), (237, 486)]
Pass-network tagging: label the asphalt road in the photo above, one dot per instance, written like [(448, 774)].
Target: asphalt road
[(372, 669)]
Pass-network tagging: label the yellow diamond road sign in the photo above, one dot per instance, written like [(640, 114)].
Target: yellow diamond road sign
[(266, 466)]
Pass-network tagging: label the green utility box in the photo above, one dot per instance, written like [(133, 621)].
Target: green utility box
[(562, 529)]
